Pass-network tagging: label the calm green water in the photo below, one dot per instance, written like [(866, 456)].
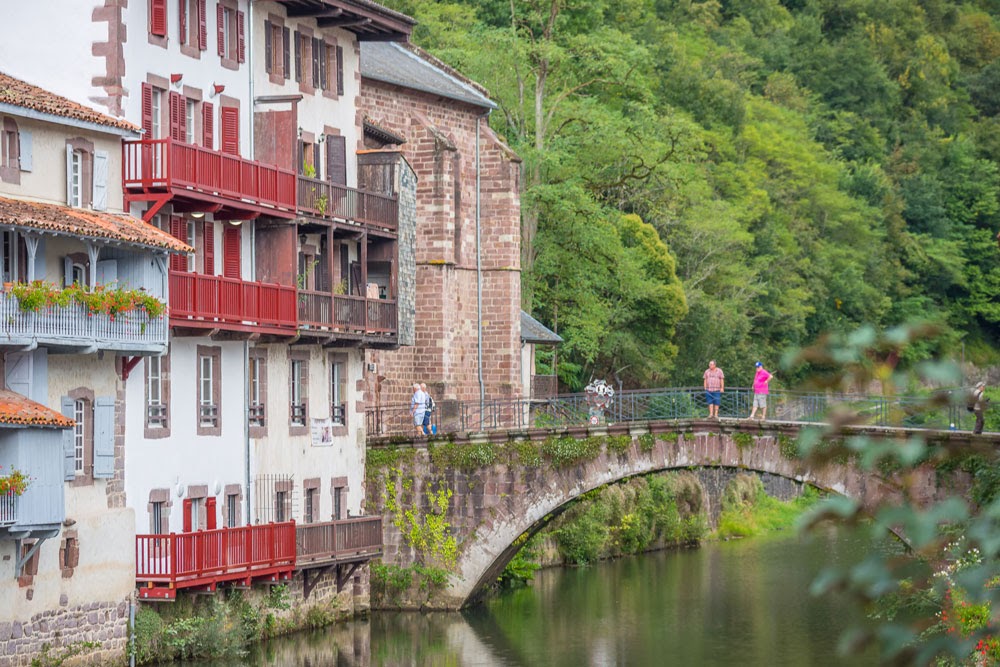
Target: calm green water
[(737, 603)]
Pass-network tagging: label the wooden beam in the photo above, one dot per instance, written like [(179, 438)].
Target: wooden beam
[(128, 364), (343, 22), (317, 12)]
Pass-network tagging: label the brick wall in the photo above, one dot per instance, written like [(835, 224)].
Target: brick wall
[(441, 148)]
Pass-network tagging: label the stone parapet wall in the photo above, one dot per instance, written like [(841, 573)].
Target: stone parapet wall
[(89, 634)]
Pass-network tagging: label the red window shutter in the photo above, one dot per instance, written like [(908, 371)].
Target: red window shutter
[(340, 70), (230, 121), (158, 17), (268, 47), (286, 53), (177, 116), (147, 110), (209, 247), (231, 252), (183, 14), (210, 513), (220, 14), (187, 515), (178, 229), (241, 42), (202, 26), (208, 125)]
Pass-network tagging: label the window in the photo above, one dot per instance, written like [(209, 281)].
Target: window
[(340, 70), (80, 437), (192, 512), (189, 224), (232, 510), (280, 500), (189, 121), (10, 256), (277, 50), (86, 175), (75, 179), (156, 110), (69, 553), (257, 383), (231, 35), (158, 18), (309, 513), (298, 392), (157, 524), (338, 392), (338, 492), (193, 29), (157, 397), (209, 390), (15, 151)]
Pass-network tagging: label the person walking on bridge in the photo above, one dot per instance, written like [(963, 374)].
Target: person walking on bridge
[(418, 406), (979, 406), (760, 390), (715, 384)]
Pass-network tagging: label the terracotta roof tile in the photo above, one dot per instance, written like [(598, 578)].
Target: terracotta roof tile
[(22, 94), (18, 410), (89, 224)]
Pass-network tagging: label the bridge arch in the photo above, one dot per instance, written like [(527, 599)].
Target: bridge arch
[(493, 504)]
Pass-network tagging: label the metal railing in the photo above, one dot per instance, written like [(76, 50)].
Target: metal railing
[(74, 324), (324, 199), (947, 408), (337, 540)]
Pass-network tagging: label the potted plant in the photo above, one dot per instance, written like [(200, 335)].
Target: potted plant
[(14, 483)]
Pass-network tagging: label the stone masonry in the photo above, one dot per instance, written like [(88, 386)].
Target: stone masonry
[(93, 634)]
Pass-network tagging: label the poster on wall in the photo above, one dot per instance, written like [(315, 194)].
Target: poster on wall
[(322, 432)]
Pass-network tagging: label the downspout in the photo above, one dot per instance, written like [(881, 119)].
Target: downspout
[(253, 156), (479, 280), (253, 272)]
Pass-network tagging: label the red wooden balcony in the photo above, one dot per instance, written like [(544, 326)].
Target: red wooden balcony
[(203, 559), (340, 312), (323, 199), (338, 541), (166, 165), (202, 301)]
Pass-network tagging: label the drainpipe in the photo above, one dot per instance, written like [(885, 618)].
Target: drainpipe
[(479, 282), (253, 156), (246, 431)]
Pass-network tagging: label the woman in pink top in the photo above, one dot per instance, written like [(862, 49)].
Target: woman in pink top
[(760, 380)]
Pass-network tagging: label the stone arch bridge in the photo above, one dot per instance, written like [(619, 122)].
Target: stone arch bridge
[(494, 502)]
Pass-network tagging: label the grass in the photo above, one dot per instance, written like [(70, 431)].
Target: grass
[(749, 511)]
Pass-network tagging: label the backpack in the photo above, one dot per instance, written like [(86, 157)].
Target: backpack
[(430, 403)]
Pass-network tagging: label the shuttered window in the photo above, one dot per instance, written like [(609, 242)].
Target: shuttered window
[(147, 110), (268, 47), (222, 29), (286, 53), (183, 16), (231, 252), (209, 245), (241, 39), (315, 62), (202, 26), (178, 117), (208, 125), (336, 159), (340, 70), (158, 17), (298, 56), (178, 229), (230, 121)]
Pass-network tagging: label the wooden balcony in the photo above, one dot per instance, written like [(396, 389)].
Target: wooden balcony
[(8, 510), (72, 327), (202, 301), (325, 311), (323, 199), (201, 560), (166, 165), (346, 540)]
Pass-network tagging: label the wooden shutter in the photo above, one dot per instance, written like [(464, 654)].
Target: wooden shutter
[(177, 116), (220, 15), (317, 161), (336, 159), (188, 504), (230, 121), (302, 158), (231, 252), (178, 229), (298, 56), (99, 200), (241, 40), (66, 405), (207, 125), (209, 245), (210, 513), (340, 70), (183, 15), (104, 437), (286, 52), (268, 47), (202, 26), (69, 178), (147, 110), (315, 62), (158, 17), (324, 75)]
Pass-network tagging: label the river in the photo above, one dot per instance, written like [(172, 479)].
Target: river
[(743, 602)]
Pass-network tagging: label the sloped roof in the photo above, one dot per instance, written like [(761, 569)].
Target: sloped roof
[(381, 133), (412, 67), (18, 410), (533, 331), (89, 224), (22, 94)]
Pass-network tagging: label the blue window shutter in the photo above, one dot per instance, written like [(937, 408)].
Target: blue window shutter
[(104, 437), (69, 455), (99, 201), (24, 149)]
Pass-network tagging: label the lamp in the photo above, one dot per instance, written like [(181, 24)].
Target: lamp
[(198, 215), (236, 223)]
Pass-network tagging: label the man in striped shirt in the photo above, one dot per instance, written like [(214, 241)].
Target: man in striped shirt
[(715, 384)]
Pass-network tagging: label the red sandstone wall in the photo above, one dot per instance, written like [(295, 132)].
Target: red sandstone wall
[(441, 141)]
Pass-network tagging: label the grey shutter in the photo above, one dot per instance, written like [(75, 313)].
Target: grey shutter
[(69, 176), (100, 200), (336, 159), (69, 453), (67, 272), (268, 46), (104, 437), (286, 52), (107, 271), (24, 149), (19, 372)]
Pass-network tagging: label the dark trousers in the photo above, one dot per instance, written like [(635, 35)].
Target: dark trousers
[(427, 422), (979, 421)]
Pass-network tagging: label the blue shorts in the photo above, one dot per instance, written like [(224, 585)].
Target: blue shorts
[(713, 397)]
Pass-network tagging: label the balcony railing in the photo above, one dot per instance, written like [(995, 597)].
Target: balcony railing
[(324, 199), (207, 557), (155, 164), (340, 312), (74, 325), (215, 299), (8, 509), (346, 539)]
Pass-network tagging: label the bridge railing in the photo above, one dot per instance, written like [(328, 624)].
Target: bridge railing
[(675, 403)]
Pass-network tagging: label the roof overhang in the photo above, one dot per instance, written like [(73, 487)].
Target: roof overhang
[(23, 112), (368, 20)]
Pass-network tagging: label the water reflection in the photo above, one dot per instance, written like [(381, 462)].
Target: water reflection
[(743, 602)]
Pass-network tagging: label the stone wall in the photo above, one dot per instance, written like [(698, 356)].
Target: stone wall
[(441, 148), (94, 634)]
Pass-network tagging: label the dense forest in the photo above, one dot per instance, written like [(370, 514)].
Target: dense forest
[(728, 178)]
